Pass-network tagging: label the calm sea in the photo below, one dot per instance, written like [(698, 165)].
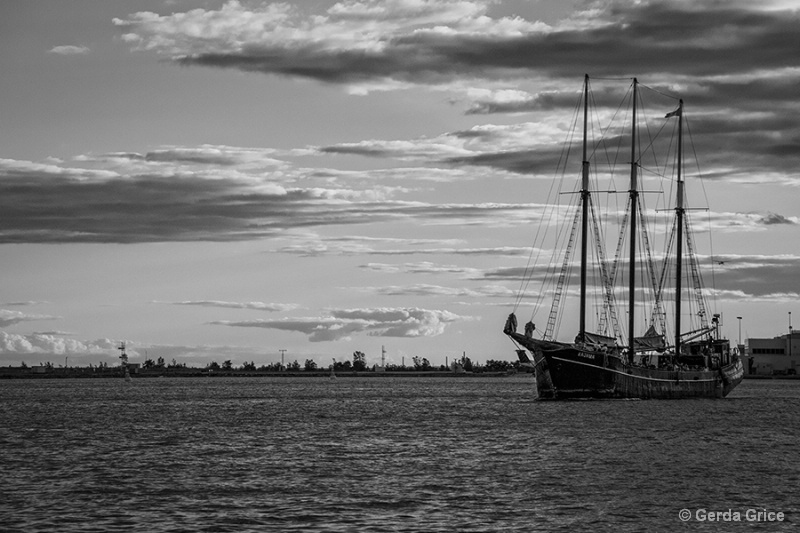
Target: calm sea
[(388, 454)]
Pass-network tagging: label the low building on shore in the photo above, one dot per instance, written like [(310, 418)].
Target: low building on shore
[(776, 356)]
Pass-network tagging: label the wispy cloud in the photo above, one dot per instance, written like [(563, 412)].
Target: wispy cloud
[(422, 289), (257, 306), (9, 318), (69, 50)]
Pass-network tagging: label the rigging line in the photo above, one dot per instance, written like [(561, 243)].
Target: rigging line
[(612, 79), (556, 206), (551, 268), (564, 274), (601, 145), (650, 148), (548, 211), (659, 92), (603, 132), (705, 196)]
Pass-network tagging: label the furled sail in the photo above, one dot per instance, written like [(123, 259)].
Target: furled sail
[(651, 340)]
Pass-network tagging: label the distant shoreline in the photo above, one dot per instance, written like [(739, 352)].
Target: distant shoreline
[(81, 373), (61, 373)]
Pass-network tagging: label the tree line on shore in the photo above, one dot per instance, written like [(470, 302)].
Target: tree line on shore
[(357, 364)]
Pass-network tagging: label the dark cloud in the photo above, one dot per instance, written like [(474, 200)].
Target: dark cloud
[(47, 204), (774, 218), (518, 161), (757, 276), (734, 276)]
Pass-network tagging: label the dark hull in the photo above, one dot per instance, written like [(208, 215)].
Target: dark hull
[(566, 371)]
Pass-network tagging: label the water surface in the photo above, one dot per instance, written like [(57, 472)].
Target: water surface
[(386, 454)]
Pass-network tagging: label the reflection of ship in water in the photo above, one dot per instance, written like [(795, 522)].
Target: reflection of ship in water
[(609, 362)]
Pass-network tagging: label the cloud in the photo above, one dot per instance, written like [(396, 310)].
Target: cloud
[(771, 219), (353, 245), (342, 323), (758, 276), (736, 60), (258, 306), (69, 50), (194, 195), (177, 201), (424, 267), (51, 344), (489, 291), (401, 150), (9, 318), (352, 42), (737, 222), (432, 41)]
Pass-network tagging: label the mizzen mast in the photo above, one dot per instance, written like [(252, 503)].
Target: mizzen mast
[(679, 211)]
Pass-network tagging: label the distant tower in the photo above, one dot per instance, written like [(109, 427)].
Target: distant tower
[(382, 368), (123, 356)]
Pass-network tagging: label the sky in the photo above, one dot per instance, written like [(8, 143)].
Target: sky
[(211, 180)]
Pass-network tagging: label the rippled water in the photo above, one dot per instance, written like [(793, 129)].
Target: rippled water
[(385, 454)]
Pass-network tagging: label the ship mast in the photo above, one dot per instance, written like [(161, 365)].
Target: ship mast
[(679, 211), (585, 208), (634, 197)]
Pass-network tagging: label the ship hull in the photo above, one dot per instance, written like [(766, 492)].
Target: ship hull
[(579, 373), (570, 371)]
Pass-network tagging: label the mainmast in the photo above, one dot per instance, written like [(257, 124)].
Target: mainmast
[(585, 208), (634, 198), (679, 211)]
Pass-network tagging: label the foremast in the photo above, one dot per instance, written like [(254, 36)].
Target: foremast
[(634, 200), (585, 194)]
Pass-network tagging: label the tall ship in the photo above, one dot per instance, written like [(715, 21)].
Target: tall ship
[(659, 342)]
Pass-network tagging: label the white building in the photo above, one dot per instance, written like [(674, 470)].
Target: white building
[(778, 355)]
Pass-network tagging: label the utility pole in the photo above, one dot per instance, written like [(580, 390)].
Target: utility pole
[(740, 329), (282, 352), (790, 333)]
